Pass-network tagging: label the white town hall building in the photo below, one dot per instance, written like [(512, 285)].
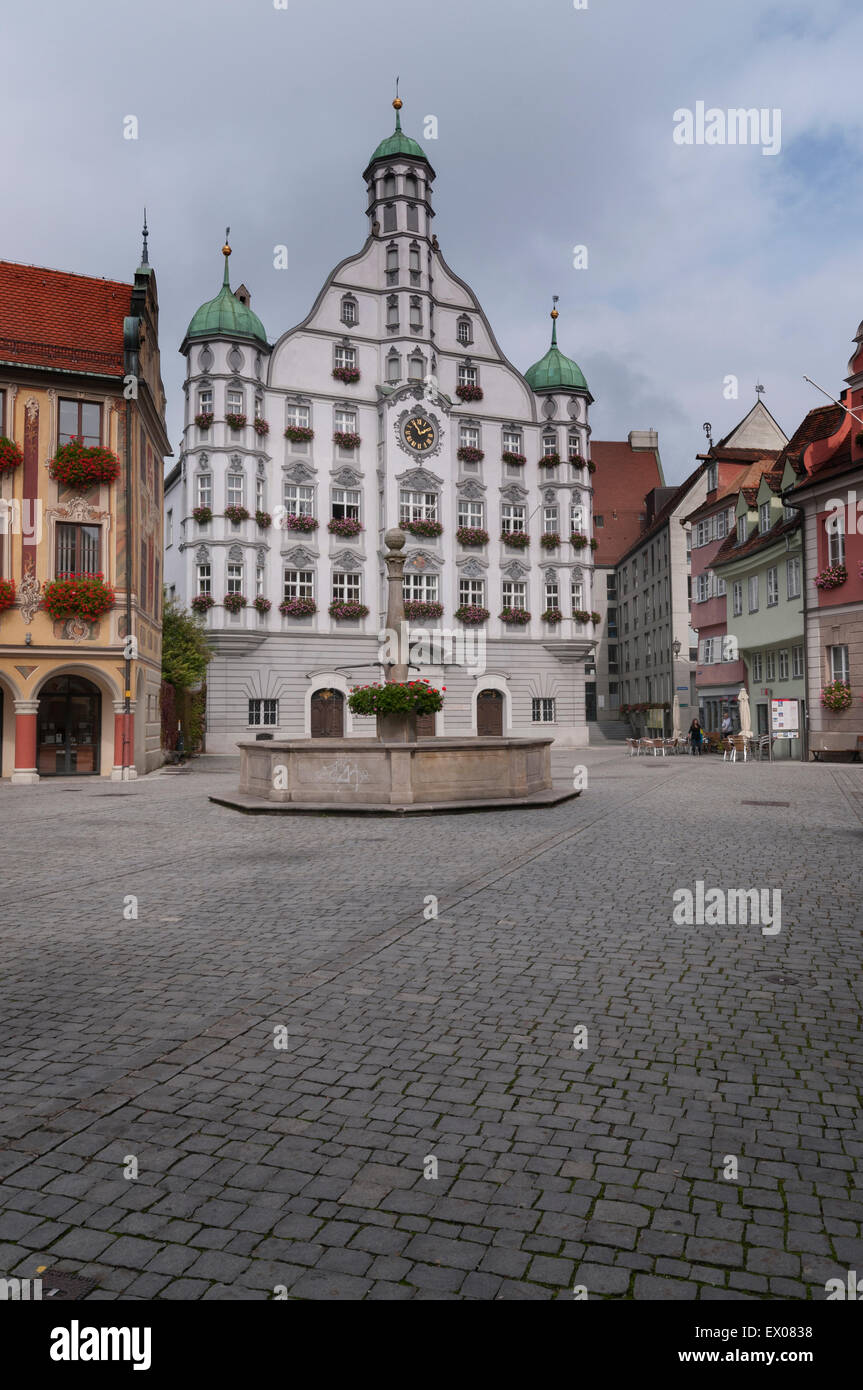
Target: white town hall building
[(391, 403)]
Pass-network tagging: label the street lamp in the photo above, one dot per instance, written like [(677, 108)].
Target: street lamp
[(675, 647)]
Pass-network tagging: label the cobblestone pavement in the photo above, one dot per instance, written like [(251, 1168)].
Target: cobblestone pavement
[(450, 1039)]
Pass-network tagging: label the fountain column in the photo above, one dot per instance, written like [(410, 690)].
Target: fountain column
[(396, 728)]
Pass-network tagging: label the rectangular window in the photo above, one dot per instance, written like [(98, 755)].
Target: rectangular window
[(346, 503), (349, 312), (205, 583), (577, 595), (577, 517), (345, 356), (550, 520), (512, 516), (611, 623), (611, 586), (467, 376), (612, 658), (346, 421), (299, 583), (797, 662), (839, 668), (514, 593), (169, 527), (737, 598), (417, 506), (741, 530), (702, 533), (299, 501), (347, 588), (764, 517), (298, 417), (413, 218), (259, 581), (598, 520), (757, 666), (772, 586), (512, 442), (205, 402), (784, 663), (549, 445), (542, 710), (234, 401), (702, 588), (236, 489), (463, 332), (80, 420), (771, 666), (393, 311), (263, 712), (77, 549), (552, 594), (753, 593), (836, 540), (234, 577), (470, 513), (471, 591), (422, 587), (468, 437), (394, 367), (792, 577), (416, 318), (260, 494), (721, 522)]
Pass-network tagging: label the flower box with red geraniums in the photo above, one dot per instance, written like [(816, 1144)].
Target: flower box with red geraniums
[(509, 457), (468, 454), (347, 374), (260, 426), (831, 578), (261, 605), (471, 614), (263, 520), (346, 526), (298, 521), (77, 596), (469, 393), (836, 696), (421, 526), (517, 617), (7, 593), (234, 603), (75, 466), (552, 615), (596, 617), (11, 456), (577, 460), (471, 535), (298, 608), (396, 697), (346, 439), (348, 609), (594, 544), (202, 515), (204, 419), (417, 609), (581, 615), (235, 421), (549, 460), (591, 468), (518, 540), (202, 603), (299, 434), (578, 539), (549, 540), (236, 514)]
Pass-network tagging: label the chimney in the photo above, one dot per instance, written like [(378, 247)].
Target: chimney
[(243, 295), (643, 439)]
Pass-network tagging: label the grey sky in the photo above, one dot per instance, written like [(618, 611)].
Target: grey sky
[(555, 129)]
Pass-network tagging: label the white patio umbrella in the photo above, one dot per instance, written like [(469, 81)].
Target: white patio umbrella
[(675, 716), (744, 713)]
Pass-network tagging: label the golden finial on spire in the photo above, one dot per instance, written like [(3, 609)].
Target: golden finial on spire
[(554, 299), (226, 249)]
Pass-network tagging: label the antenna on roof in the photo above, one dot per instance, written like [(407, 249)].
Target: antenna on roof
[(144, 260), (833, 399)]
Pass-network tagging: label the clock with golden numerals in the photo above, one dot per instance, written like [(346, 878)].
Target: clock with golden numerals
[(419, 434)]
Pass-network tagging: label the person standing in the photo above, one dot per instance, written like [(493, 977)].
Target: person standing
[(727, 726), (696, 736)]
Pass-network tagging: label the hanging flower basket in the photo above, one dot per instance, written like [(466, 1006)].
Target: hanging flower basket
[(581, 615), (204, 419), (260, 426), (346, 439), (472, 615), (298, 608), (396, 697), (518, 540), (419, 609), (77, 596), (577, 460), (517, 617), (262, 605), (11, 456), (202, 603), (591, 466), (549, 460), (594, 544), (235, 422), (299, 434), (549, 540), (831, 578), (469, 393), (471, 535), (7, 594), (552, 615), (509, 457), (422, 527), (263, 520), (836, 696), (298, 521), (202, 515), (346, 526), (596, 617), (236, 514), (468, 454), (234, 603), (578, 539), (346, 374), (75, 466), (347, 609)]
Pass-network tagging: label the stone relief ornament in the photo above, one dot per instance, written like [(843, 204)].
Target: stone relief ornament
[(471, 491), (76, 630), (474, 568), (513, 493), (515, 570), (298, 472), (202, 555), (421, 560), (346, 477), (29, 593), (348, 561), (549, 408), (300, 557), (420, 478)]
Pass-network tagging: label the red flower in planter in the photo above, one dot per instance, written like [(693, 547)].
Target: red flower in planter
[(469, 392), (78, 596), (7, 593), (11, 456), (75, 466)]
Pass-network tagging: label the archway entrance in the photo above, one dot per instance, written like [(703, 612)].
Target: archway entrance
[(328, 714), (70, 727), (489, 714)]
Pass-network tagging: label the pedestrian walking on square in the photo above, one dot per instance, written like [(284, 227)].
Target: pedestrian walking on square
[(727, 725), (696, 736)]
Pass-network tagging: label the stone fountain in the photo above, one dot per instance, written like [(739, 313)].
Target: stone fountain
[(394, 773)]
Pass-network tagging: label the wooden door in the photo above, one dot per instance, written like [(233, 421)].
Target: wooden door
[(328, 714), (489, 714)]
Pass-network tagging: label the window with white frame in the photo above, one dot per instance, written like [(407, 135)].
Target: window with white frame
[(577, 593), (512, 516), (260, 494), (836, 540), (471, 592), (793, 576), (263, 713), (259, 581), (771, 666), (550, 520), (512, 442), (719, 586), (712, 477), (757, 666), (464, 334), (470, 512), (234, 401), (392, 311), (169, 528), (205, 579), (347, 588), (234, 578), (298, 417), (707, 651), (205, 401), (549, 445), (737, 598), (573, 443), (235, 486), (345, 420), (702, 532), (345, 356), (753, 593), (416, 367), (784, 663), (417, 506), (349, 310), (468, 437), (797, 662), (764, 517), (741, 530), (577, 516), (702, 588), (788, 513), (422, 587), (299, 500), (204, 490), (298, 583), (839, 667), (467, 376), (721, 524), (552, 593), (394, 367), (542, 710), (416, 316), (514, 593), (346, 503), (772, 586)]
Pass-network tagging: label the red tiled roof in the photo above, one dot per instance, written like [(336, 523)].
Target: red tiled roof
[(51, 318), (730, 550), (623, 478), (746, 477), (819, 424)]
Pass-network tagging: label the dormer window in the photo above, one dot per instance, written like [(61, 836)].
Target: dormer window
[(350, 310), (764, 517), (712, 480), (741, 530), (464, 330)]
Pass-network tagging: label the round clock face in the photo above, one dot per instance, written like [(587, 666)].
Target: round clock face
[(419, 434)]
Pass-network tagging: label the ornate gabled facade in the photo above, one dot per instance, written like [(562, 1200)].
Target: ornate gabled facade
[(391, 403)]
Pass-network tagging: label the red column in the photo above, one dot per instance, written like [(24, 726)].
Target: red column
[(124, 743), (26, 715)]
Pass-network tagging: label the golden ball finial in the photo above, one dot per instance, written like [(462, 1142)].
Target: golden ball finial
[(398, 103), (555, 314), (226, 250)]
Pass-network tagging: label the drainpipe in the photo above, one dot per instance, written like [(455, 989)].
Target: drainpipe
[(127, 678), (795, 506)]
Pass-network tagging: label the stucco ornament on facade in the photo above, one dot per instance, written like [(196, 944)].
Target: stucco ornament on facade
[(29, 593)]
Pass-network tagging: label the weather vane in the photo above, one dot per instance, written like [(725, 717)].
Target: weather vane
[(759, 390), (708, 430)]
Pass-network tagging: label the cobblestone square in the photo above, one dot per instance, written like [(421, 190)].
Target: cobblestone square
[(432, 1127)]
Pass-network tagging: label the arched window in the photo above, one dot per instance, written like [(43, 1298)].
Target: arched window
[(389, 184), (416, 367), (389, 217), (464, 330), (392, 264), (414, 262), (392, 311), (416, 314), (350, 310), (394, 366), (411, 185)]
